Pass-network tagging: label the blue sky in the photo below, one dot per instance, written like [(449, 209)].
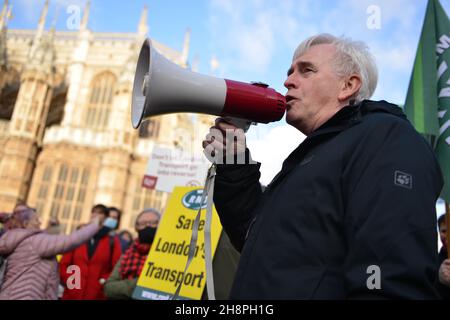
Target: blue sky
[(253, 40)]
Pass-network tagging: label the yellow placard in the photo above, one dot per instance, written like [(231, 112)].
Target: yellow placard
[(163, 270)]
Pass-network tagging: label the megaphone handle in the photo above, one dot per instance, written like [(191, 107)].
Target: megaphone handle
[(243, 124)]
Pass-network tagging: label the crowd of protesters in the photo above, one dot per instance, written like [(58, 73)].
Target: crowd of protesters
[(108, 261), (95, 262)]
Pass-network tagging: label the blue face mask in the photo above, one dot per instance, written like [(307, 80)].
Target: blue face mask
[(110, 223)]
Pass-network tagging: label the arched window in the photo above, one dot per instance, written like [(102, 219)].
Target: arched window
[(100, 101), (56, 111), (65, 194)]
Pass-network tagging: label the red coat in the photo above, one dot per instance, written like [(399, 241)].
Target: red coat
[(91, 270)]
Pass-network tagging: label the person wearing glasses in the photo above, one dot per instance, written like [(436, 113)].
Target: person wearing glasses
[(123, 279)]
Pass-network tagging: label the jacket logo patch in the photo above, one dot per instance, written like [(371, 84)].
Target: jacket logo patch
[(403, 179)]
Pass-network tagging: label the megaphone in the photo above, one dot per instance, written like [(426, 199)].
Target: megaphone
[(162, 87)]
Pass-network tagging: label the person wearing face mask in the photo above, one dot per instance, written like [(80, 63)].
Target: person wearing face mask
[(96, 260), (123, 279), (113, 221)]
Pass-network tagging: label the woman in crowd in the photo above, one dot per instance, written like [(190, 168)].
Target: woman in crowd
[(32, 269)]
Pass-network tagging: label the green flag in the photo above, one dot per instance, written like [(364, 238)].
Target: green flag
[(428, 101)]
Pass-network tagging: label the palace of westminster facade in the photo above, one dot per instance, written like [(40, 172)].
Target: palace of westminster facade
[(66, 139)]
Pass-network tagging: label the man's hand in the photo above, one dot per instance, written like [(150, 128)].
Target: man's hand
[(444, 273), (223, 142)]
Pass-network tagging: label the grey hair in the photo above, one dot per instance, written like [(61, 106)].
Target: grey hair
[(352, 57), (21, 218), (148, 210)]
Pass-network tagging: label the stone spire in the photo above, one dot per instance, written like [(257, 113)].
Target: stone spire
[(42, 19), (3, 14), (8, 14), (143, 26), (39, 56), (186, 45), (51, 34), (27, 124), (76, 69)]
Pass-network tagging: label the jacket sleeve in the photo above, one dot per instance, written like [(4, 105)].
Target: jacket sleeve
[(50, 245), (116, 254), (391, 184), (118, 289), (237, 192)]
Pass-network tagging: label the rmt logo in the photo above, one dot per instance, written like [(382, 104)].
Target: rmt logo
[(403, 179), (192, 200)]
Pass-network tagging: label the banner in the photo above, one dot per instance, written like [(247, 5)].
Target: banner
[(167, 259), (428, 101), (168, 168)]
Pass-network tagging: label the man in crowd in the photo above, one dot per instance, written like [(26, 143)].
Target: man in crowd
[(124, 277), (95, 260)]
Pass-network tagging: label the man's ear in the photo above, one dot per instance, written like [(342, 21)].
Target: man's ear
[(350, 87)]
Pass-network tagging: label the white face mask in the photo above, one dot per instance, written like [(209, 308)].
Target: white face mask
[(110, 223)]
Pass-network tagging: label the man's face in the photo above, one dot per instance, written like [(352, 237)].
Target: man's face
[(100, 213), (313, 89), (443, 234), (114, 214)]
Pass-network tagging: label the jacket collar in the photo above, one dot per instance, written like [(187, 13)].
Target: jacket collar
[(353, 114), (341, 121)]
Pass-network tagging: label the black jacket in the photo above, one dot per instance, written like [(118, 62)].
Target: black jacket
[(359, 191)]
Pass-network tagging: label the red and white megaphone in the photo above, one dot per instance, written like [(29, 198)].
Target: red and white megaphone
[(162, 87)]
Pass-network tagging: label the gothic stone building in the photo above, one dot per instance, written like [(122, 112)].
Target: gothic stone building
[(66, 140)]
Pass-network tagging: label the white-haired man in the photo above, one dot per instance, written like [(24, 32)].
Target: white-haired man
[(352, 212)]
